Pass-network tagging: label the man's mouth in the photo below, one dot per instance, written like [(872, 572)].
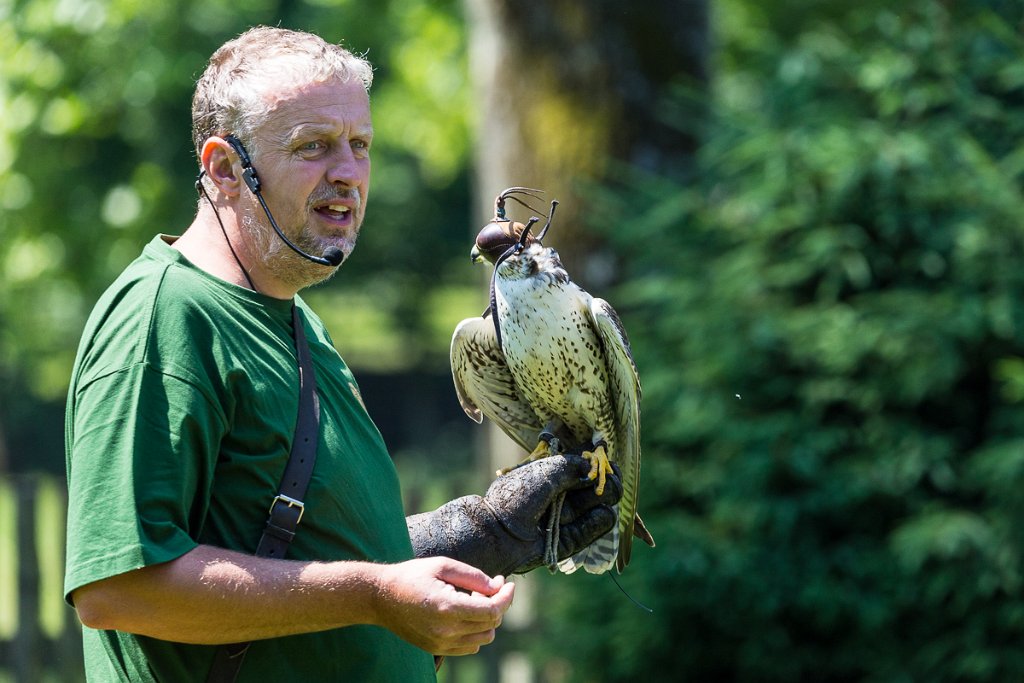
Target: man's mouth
[(335, 211)]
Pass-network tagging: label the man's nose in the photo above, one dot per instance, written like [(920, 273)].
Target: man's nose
[(345, 168)]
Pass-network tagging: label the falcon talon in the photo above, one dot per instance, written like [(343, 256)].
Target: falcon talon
[(600, 466), (552, 441)]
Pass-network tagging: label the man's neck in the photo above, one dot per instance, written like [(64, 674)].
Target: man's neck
[(206, 246)]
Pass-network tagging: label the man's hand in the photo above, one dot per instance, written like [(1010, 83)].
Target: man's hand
[(504, 532), (442, 606)]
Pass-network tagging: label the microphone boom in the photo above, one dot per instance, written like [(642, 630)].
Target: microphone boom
[(332, 257)]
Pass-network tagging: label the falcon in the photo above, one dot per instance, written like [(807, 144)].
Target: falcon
[(552, 367)]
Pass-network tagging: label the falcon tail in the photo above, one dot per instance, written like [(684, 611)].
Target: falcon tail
[(596, 558)]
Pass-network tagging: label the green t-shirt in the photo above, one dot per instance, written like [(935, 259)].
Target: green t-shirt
[(180, 418)]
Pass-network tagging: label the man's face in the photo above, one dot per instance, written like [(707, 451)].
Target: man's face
[(313, 160)]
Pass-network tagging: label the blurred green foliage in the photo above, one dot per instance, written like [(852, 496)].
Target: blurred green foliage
[(829, 324), (95, 155)]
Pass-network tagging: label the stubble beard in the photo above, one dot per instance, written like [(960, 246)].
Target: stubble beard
[(277, 258)]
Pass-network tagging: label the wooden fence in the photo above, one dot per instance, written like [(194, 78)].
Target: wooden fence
[(40, 637)]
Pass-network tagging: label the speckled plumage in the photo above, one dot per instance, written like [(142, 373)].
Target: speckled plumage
[(565, 367)]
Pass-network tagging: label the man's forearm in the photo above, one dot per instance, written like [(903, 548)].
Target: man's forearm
[(444, 531), (211, 595)]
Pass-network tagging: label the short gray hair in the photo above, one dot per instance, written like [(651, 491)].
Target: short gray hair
[(230, 96)]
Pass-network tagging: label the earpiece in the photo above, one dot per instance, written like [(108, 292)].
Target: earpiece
[(248, 172)]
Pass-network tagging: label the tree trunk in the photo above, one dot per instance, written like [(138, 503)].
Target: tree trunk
[(569, 96)]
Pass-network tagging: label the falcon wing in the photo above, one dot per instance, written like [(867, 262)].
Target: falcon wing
[(485, 386), (624, 388)]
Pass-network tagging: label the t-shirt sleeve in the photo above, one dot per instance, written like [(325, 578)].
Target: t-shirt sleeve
[(139, 471)]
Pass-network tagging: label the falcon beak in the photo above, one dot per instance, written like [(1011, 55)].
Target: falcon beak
[(474, 255)]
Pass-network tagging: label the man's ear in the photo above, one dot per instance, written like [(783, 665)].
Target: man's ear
[(218, 160)]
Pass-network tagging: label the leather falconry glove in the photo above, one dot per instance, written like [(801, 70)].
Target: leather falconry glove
[(505, 531)]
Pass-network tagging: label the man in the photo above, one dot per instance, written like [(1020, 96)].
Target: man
[(182, 413)]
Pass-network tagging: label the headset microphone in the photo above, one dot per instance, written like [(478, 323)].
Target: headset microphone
[(332, 256)]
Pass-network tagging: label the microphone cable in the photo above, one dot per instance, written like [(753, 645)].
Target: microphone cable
[(202, 189)]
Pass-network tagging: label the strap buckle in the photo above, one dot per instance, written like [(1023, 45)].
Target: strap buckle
[(290, 502)]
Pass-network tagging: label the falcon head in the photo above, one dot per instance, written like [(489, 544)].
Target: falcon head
[(496, 238), (534, 259)]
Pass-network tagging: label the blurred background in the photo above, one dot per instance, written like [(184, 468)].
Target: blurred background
[(808, 214)]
